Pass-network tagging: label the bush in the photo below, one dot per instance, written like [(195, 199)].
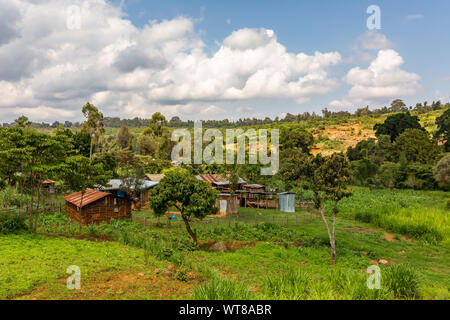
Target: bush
[(12, 223), (402, 280), (222, 289)]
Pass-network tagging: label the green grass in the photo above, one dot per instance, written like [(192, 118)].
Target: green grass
[(419, 214), (28, 261), (276, 255)]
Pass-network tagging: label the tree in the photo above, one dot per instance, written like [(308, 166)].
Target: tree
[(296, 138), (131, 172), (22, 122), (443, 132), (396, 124), (93, 125), (156, 124), (398, 105), (442, 171), (416, 146), (192, 197), (123, 137), (327, 178)]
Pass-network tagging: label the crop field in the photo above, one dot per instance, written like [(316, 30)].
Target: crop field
[(266, 255)]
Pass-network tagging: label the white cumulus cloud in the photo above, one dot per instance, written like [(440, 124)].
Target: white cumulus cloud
[(382, 81), (47, 69)]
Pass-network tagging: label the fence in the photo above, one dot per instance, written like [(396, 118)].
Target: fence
[(286, 220), (52, 206)]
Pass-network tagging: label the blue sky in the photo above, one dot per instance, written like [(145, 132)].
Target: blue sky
[(419, 30), (190, 58)]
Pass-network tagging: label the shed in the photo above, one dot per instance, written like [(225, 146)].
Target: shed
[(227, 204), (48, 186), (96, 207), (286, 201), (219, 182)]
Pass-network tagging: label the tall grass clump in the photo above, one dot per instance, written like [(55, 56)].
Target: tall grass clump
[(419, 214), (402, 280), (292, 285), (222, 289), (12, 223)]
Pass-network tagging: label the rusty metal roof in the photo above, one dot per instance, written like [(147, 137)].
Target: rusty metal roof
[(48, 181), (89, 197), (211, 178)]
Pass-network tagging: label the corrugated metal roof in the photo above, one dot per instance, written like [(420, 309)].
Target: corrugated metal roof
[(89, 197), (155, 177), (216, 178), (117, 184)]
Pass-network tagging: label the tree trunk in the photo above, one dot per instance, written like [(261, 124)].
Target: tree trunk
[(330, 236), (189, 230), (37, 211)]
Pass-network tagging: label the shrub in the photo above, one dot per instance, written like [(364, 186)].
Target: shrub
[(402, 280), (222, 289), (12, 223)]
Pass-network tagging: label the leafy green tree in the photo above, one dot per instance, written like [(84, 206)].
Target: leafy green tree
[(93, 125), (442, 171), (327, 178), (156, 124), (192, 197), (296, 138), (364, 171), (82, 143), (43, 156), (398, 106), (443, 132), (396, 124), (22, 122), (331, 176), (124, 137), (416, 146)]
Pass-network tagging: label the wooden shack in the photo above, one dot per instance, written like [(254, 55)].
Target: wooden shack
[(227, 204), (48, 186), (96, 207)]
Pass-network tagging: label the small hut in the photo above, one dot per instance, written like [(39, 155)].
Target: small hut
[(227, 204), (287, 201), (96, 207), (256, 188), (48, 186)]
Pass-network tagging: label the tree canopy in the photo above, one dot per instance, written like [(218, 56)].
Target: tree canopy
[(396, 124)]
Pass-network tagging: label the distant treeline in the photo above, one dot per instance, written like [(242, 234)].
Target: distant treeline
[(176, 122)]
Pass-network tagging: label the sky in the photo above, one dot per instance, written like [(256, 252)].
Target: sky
[(216, 59)]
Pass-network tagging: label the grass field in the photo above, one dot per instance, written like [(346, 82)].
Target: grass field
[(267, 257)]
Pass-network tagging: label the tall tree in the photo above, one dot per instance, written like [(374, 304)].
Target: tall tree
[(396, 124), (416, 146), (443, 132), (93, 125), (124, 137)]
